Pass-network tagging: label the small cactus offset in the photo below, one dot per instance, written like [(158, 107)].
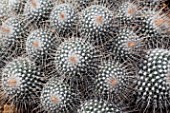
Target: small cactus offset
[(84, 56)]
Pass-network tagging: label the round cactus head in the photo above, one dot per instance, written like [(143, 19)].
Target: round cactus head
[(127, 45), (153, 25), (127, 11), (22, 82), (160, 23), (76, 56), (96, 22), (64, 18), (58, 97), (113, 81), (38, 10), (14, 27), (155, 21), (41, 44)]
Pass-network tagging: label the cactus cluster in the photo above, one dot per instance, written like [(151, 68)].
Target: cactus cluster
[(85, 56)]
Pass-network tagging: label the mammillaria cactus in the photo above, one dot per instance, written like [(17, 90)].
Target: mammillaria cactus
[(127, 11), (15, 27), (76, 56), (96, 56), (22, 82), (64, 18), (99, 106), (153, 83), (96, 22), (58, 97), (113, 81), (41, 45), (126, 45), (154, 25), (38, 10)]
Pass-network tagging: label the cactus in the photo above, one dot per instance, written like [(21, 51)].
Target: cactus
[(58, 97), (22, 82), (99, 106), (96, 22), (76, 56), (113, 81), (15, 27), (98, 56), (126, 12), (126, 45), (152, 85), (153, 25), (38, 10), (64, 18), (41, 45)]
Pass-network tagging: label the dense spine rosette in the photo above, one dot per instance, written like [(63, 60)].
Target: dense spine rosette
[(38, 10), (126, 12), (99, 106), (154, 25), (96, 22), (76, 56), (64, 18), (113, 81), (153, 85), (15, 27), (41, 45), (13, 32), (126, 45), (153, 22), (58, 97), (22, 82)]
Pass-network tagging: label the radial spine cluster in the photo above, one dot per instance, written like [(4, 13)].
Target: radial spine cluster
[(84, 56)]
